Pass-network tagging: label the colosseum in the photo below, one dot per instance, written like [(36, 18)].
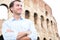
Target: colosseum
[(41, 14)]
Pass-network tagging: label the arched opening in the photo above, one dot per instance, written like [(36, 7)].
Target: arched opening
[(4, 5), (1, 37), (38, 38), (27, 14), (51, 23), (35, 18), (3, 11), (44, 39), (47, 21), (57, 34), (46, 13), (42, 20), (50, 39)]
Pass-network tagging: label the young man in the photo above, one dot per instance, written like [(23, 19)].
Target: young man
[(18, 28)]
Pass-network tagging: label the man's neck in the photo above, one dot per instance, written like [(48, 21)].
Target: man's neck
[(17, 17)]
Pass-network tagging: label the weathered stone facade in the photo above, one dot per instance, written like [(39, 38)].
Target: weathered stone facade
[(41, 14)]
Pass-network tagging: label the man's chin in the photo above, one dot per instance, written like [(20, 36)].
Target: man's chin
[(18, 14)]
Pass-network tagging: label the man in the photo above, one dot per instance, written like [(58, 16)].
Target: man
[(18, 28)]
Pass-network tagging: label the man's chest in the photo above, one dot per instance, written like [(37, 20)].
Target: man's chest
[(19, 26)]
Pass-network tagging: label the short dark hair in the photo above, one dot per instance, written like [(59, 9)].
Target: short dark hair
[(4, 5), (12, 3)]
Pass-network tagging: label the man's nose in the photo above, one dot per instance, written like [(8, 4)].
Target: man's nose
[(20, 8)]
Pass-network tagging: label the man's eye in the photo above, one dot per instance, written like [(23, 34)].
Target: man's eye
[(21, 5)]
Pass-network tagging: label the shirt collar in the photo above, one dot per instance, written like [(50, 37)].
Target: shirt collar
[(13, 19)]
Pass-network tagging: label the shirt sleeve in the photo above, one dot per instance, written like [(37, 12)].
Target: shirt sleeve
[(33, 34), (8, 35)]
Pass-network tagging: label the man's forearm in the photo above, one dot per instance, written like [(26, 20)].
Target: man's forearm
[(19, 37), (25, 38), (22, 35)]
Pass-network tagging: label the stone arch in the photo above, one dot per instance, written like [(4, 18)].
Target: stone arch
[(44, 39), (42, 20), (57, 34), (35, 17), (50, 39), (4, 5), (51, 22), (46, 13), (47, 21), (27, 14), (3, 11)]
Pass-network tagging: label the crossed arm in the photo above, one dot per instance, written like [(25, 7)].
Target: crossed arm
[(11, 35), (23, 36)]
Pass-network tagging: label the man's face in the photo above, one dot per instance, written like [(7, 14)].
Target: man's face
[(17, 8)]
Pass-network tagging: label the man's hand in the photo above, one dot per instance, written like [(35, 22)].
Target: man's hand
[(22, 34), (25, 38)]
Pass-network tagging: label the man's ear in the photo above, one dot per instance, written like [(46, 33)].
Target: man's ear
[(11, 9)]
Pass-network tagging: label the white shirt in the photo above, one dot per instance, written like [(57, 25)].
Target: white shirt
[(20, 25)]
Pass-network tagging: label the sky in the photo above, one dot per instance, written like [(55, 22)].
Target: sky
[(55, 5)]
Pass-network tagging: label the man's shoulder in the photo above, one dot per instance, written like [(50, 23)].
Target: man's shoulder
[(28, 20), (7, 21)]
